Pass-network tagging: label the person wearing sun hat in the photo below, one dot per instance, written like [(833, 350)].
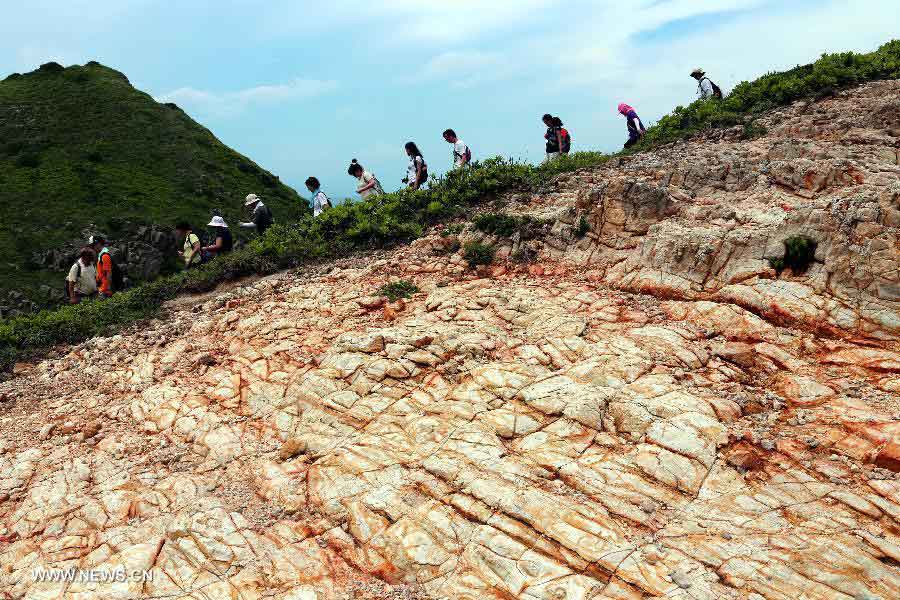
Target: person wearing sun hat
[(705, 87), (261, 217), (222, 235)]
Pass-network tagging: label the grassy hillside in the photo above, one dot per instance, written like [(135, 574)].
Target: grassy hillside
[(80, 146), (396, 217)]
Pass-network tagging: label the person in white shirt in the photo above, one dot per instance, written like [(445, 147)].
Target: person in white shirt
[(462, 156), (81, 282), (417, 171), (368, 183), (705, 86), (319, 200)]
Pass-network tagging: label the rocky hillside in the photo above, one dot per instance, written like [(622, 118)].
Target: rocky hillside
[(644, 396), (82, 150)]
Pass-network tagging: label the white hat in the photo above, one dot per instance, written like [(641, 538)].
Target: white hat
[(698, 71), (217, 221), (250, 199)]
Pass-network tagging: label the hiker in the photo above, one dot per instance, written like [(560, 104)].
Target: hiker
[(462, 156), (635, 127), (553, 137), (191, 252), (224, 242), (417, 171), (319, 200), (565, 140), (81, 282), (706, 88), (368, 183), (261, 218), (105, 266)]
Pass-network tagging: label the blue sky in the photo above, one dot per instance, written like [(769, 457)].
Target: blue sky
[(302, 87)]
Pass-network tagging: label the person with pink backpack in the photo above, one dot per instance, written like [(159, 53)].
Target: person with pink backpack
[(635, 127)]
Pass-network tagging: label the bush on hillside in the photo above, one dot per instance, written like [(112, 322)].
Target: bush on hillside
[(477, 253), (799, 254), (398, 289)]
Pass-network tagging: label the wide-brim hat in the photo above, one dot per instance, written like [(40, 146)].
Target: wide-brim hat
[(251, 199), (698, 71), (217, 222)]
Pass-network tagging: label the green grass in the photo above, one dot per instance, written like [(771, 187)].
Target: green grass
[(81, 146), (398, 289), (383, 221)]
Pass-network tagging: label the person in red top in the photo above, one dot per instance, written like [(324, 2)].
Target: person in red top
[(104, 265)]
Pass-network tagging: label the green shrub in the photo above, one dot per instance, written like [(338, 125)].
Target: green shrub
[(583, 227), (452, 229), (29, 160), (799, 253), (398, 289), (498, 223), (477, 253)]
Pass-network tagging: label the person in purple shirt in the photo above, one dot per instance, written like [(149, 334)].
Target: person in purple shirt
[(635, 128)]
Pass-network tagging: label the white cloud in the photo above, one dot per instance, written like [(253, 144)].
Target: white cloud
[(226, 104), (400, 21), (463, 69)]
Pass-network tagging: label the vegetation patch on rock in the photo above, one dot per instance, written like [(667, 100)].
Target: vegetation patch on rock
[(398, 289), (477, 253), (799, 254)]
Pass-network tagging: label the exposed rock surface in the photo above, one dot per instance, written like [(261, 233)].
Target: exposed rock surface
[(647, 412)]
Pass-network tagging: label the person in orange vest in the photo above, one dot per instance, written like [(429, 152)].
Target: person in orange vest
[(104, 265)]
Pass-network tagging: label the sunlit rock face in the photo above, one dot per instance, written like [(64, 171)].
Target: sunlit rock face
[(648, 410)]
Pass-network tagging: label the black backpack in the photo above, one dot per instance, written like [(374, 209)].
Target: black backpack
[(265, 220), (117, 273), (467, 154), (717, 91), (424, 170)]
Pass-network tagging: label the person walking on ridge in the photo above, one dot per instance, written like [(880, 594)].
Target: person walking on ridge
[(705, 86), (553, 137), (81, 282), (261, 217), (368, 183), (417, 171), (104, 265), (224, 242), (635, 127), (565, 139), (319, 200), (191, 251), (462, 155)]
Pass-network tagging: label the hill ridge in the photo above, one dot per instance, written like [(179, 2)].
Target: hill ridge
[(82, 146)]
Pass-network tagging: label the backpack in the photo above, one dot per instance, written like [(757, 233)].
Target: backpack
[(717, 91), (265, 221), (117, 274), (424, 176), (466, 155), (566, 140)]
